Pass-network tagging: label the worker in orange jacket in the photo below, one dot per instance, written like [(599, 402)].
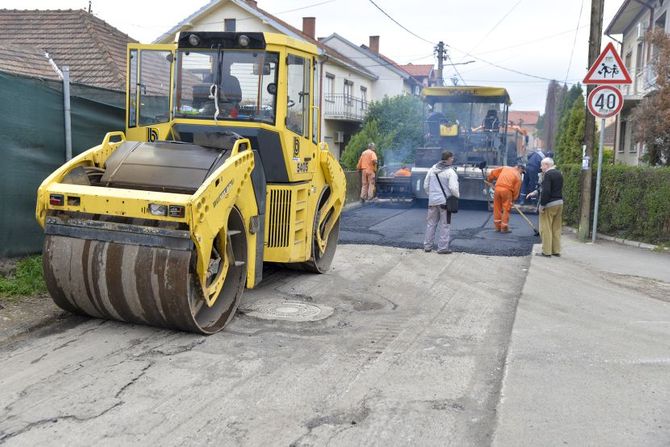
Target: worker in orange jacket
[(403, 172), (507, 187), (367, 164)]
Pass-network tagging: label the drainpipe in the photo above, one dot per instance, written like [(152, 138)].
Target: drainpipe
[(66, 108)]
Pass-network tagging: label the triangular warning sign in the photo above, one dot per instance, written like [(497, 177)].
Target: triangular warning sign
[(608, 69)]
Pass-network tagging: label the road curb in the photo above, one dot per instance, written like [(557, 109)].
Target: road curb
[(619, 240)]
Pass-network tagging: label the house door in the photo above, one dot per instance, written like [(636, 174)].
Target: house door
[(148, 99)]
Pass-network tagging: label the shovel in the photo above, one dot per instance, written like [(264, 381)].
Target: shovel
[(516, 207)]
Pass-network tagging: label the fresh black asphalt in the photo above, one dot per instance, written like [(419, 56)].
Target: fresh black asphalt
[(403, 225)]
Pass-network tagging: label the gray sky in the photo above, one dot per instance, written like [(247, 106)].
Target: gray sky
[(542, 38)]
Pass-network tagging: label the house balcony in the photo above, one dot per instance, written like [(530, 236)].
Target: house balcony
[(644, 82), (344, 108)]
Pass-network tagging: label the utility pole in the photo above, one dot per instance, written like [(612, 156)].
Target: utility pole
[(590, 124), (441, 57)]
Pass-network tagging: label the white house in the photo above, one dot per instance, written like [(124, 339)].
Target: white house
[(346, 84), (392, 79), (632, 21)]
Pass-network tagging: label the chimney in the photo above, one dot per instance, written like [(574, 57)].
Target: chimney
[(309, 26), (253, 3), (374, 44)]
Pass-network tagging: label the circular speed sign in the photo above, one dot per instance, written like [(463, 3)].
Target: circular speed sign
[(605, 101)]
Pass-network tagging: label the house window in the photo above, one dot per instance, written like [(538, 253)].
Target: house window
[(229, 25), (329, 87), (622, 137), (639, 58), (348, 90), (364, 98)]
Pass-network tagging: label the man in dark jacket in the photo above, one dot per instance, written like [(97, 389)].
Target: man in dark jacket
[(551, 208), (533, 169)]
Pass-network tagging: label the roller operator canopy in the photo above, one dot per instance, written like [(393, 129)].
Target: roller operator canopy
[(466, 94)]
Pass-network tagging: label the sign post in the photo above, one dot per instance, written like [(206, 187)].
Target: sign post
[(603, 102)]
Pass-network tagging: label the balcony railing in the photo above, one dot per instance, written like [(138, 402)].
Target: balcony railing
[(344, 107)]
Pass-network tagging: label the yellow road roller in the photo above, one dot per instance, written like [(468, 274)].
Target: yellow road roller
[(219, 170)]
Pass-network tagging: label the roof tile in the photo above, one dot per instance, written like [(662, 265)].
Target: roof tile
[(94, 50)]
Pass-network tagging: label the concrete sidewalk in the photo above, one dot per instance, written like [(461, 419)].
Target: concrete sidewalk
[(589, 359)]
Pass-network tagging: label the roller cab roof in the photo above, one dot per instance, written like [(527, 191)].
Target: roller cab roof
[(466, 94)]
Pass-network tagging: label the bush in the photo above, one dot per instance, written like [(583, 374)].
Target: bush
[(634, 201)]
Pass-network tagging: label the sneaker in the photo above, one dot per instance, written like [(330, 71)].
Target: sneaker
[(444, 251), (543, 255), (506, 230), (427, 250), (556, 254)]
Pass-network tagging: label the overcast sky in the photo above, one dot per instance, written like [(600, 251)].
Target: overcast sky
[(530, 39)]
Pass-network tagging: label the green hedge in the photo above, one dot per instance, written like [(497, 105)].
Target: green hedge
[(634, 201)]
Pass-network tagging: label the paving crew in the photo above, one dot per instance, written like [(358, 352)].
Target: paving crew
[(402, 172), (532, 172), (507, 187), (437, 211), (367, 164), (551, 208)]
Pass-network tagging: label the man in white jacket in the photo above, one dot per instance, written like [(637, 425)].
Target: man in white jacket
[(437, 214)]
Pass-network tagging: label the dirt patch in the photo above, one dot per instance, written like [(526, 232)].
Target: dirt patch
[(24, 313), (657, 290)]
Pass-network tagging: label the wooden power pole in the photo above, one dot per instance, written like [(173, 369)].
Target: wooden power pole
[(441, 57), (590, 124)]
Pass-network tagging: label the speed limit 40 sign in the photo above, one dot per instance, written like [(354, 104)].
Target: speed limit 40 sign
[(605, 101)]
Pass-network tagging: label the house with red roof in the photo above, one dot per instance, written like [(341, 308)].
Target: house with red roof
[(424, 73), (35, 48), (527, 120)]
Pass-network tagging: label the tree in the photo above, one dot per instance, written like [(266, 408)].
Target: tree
[(358, 143), (651, 118), (571, 135), (395, 125)]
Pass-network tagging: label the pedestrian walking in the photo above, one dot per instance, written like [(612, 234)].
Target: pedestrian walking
[(441, 182), (367, 164), (551, 208), (507, 187)]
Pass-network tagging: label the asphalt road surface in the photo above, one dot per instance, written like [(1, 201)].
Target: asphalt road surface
[(404, 224), (410, 351)]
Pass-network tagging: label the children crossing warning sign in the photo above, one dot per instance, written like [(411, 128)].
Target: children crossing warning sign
[(608, 69)]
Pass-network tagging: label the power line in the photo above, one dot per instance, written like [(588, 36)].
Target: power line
[(306, 7), (456, 69), (574, 42), (530, 42), (496, 25), (500, 66), (400, 25)]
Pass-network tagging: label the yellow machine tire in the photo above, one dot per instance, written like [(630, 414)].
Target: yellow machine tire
[(321, 262)]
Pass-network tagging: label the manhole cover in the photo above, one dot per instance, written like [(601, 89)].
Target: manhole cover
[(272, 309)]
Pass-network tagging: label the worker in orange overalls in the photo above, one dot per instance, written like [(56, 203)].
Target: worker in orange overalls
[(403, 172), (507, 188), (367, 164)]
